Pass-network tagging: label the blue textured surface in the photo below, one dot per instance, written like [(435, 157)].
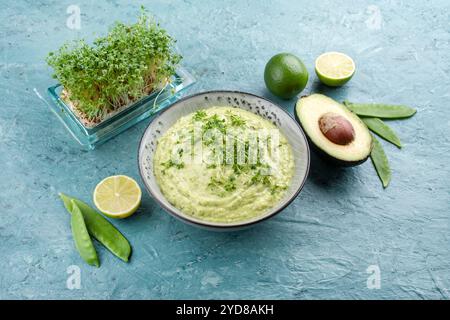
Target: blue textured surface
[(322, 244)]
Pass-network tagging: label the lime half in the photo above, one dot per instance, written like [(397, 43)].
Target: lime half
[(334, 68), (117, 196)]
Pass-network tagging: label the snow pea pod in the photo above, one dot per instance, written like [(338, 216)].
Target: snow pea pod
[(383, 130), (380, 162), (100, 228), (378, 110), (81, 236)]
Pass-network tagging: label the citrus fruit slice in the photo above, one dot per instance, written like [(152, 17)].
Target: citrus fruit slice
[(285, 75), (117, 196), (334, 68)]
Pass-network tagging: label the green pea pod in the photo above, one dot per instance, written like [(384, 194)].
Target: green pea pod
[(380, 162), (383, 130), (378, 110), (100, 228), (81, 236)]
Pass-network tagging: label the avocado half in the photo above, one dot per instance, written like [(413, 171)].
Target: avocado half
[(333, 130)]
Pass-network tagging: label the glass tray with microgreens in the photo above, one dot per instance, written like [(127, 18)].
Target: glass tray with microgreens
[(117, 70)]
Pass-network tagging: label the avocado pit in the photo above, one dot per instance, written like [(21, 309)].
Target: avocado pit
[(336, 128)]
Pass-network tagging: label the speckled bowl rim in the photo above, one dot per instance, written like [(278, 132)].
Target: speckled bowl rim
[(213, 225)]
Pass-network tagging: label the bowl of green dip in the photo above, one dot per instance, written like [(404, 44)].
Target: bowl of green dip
[(224, 160)]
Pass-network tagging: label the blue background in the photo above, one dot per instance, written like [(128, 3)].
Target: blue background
[(322, 244)]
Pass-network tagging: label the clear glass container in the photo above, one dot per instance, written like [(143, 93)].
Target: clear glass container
[(90, 137)]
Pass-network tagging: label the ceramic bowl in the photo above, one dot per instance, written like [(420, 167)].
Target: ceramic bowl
[(250, 102)]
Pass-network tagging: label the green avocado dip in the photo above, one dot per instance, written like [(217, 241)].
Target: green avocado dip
[(223, 164)]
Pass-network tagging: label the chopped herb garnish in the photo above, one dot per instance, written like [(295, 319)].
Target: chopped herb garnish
[(170, 163), (214, 122), (241, 164), (228, 184), (236, 121), (261, 178), (256, 178), (239, 168), (199, 115), (276, 188)]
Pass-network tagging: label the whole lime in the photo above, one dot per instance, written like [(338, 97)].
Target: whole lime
[(285, 75)]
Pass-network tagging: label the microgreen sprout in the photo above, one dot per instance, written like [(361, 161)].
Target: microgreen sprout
[(199, 115), (236, 121)]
